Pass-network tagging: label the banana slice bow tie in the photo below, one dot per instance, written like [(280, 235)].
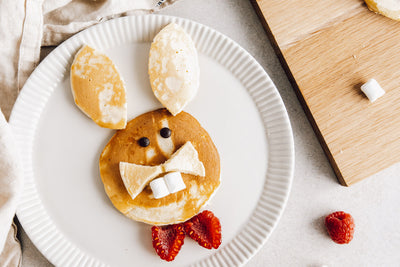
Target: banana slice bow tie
[(184, 160)]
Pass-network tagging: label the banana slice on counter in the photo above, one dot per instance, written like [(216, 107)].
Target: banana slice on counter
[(388, 8)]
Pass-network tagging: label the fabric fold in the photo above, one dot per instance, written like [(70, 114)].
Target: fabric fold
[(63, 20), (11, 255), (11, 27), (10, 179)]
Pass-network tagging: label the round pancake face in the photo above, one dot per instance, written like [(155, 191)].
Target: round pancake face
[(124, 146)]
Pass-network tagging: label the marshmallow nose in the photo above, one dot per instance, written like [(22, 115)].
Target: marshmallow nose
[(174, 182), (159, 188), (170, 183)]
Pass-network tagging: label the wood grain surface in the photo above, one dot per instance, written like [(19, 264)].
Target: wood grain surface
[(329, 49)]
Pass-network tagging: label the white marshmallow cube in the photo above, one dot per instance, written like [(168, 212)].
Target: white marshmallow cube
[(174, 182), (159, 188), (372, 90)]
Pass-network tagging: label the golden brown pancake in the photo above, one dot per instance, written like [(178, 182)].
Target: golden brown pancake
[(124, 146), (98, 88)]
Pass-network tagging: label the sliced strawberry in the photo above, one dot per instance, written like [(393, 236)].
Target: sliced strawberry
[(167, 240), (204, 228)]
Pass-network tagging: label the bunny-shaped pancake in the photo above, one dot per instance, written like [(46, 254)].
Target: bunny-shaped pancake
[(163, 167)]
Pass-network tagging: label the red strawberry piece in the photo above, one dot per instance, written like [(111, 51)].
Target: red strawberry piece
[(340, 227), (167, 240), (204, 228)]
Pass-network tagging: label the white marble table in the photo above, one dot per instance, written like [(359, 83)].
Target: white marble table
[(300, 238)]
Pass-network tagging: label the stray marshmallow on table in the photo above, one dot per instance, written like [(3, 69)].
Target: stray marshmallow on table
[(372, 90), (171, 183)]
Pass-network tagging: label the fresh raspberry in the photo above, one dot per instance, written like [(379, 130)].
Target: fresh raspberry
[(204, 228), (167, 240), (340, 227)]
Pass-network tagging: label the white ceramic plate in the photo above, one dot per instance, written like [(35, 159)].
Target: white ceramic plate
[(64, 208)]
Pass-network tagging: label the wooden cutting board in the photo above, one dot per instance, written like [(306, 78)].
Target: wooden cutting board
[(329, 49)]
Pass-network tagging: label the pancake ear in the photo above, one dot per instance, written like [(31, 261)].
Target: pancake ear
[(173, 68), (98, 88)]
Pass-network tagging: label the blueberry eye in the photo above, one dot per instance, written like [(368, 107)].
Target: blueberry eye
[(144, 141), (165, 132)]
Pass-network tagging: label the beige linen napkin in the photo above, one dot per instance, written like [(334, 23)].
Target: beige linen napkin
[(11, 255), (62, 18), (10, 186), (25, 25)]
